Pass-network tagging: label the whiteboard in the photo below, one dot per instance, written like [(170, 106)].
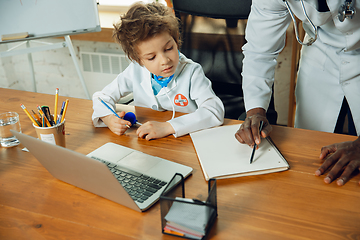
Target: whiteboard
[(48, 18)]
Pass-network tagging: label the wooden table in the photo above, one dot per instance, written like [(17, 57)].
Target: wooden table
[(293, 204)]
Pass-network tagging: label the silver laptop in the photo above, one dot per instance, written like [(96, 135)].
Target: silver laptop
[(120, 174)]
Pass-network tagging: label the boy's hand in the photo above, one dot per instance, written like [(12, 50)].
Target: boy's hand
[(152, 130), (115, 124)]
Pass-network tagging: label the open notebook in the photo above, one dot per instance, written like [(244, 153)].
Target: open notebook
[(222, 156)]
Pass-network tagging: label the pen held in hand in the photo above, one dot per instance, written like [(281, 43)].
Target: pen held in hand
[(253, 151), (106, 105)]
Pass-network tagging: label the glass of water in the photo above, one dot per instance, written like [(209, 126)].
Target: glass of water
[(9, 120)]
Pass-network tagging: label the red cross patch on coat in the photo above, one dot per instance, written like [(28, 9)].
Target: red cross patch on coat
[(180, 100)]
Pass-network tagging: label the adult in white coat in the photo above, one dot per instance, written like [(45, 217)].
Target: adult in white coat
[(328, 75)]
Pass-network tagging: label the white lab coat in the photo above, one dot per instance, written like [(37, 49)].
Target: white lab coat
[(189, 90), (329, 69)]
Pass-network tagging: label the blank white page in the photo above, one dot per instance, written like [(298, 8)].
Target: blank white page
[(222, 156)]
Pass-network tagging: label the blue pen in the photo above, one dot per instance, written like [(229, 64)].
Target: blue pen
[(111, 109), (61, 113)]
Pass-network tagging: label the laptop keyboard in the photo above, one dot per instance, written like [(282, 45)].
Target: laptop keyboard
[(139, 186)]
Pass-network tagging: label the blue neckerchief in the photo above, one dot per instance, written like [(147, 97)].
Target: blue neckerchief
[(155, 86), (164, 81)]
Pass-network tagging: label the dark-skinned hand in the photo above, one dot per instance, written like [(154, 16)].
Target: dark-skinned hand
[(248, 132), (340, 158)]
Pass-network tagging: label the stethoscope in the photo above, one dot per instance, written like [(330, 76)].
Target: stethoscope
[(163, 82), (130, 116), (346, 10)]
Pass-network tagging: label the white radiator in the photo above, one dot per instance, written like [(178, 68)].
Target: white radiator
[(99, 69)]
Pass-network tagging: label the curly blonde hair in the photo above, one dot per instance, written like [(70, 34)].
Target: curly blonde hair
[(141, 22)]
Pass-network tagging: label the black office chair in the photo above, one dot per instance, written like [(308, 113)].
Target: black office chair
[(230, 10), (221, 59)]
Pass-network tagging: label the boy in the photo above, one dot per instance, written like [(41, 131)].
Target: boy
[(159, 76)]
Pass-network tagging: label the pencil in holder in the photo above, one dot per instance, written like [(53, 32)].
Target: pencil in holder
[(185, 217)]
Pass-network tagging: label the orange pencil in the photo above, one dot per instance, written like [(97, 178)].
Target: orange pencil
[(36, 116), (28, 114), (56, 103)]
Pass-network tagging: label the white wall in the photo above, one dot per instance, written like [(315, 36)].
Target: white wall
[(53, 69)]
